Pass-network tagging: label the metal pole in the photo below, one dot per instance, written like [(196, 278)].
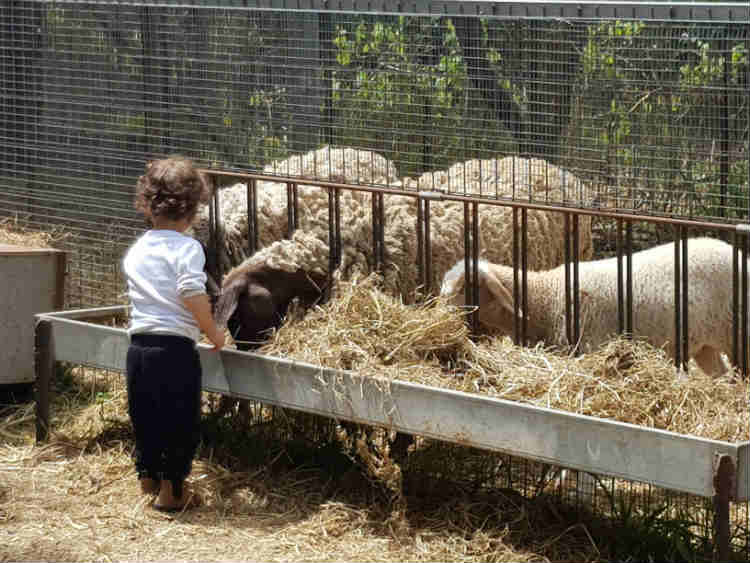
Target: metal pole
[(620, 288), (475, 265), (677, 302), (516, 290), (44, 367), (724, 486), (568, 304)]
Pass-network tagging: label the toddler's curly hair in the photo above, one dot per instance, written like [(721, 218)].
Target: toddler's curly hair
[(171, 188)]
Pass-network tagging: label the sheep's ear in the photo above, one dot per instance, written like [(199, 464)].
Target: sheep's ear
[(227, 302), (494, 284)]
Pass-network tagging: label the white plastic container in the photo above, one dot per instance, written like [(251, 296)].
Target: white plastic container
[(32, 280)]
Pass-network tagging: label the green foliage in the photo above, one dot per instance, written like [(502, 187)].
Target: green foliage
[(651, 96), (404, 97)]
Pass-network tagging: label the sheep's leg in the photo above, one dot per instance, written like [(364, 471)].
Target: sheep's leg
[(710, 361)]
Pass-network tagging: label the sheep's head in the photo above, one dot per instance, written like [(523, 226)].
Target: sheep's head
[(495, 294), (255, 300)]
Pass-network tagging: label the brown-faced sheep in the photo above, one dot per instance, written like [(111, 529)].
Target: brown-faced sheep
[(256, 294)]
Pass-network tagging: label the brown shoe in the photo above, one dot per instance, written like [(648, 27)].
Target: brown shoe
[(150, 486)]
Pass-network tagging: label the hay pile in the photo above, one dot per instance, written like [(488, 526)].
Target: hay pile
[(369, 332), (15, 233)]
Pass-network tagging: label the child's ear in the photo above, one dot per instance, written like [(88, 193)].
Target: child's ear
[(149, 163)]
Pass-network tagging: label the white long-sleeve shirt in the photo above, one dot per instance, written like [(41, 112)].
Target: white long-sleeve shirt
[(162, 267)]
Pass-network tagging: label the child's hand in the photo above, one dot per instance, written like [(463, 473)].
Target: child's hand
[(217, 339)]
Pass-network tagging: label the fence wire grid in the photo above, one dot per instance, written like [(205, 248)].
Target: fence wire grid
[(649, 109)]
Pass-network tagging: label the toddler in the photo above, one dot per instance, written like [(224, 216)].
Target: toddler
[(167, 289)]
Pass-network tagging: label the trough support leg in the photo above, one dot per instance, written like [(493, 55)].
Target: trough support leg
[(724, 487), (44, 366)]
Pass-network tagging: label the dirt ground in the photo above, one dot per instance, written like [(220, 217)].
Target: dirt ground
[(77, 499)]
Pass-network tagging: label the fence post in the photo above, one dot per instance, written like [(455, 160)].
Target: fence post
[(44, 365), (724, 487)]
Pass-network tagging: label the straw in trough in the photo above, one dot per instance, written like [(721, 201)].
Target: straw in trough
[(366, 331)]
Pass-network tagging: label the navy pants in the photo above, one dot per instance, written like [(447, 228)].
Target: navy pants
[(164, 398)]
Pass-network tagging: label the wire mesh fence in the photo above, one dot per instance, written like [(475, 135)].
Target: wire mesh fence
[(648, 106)]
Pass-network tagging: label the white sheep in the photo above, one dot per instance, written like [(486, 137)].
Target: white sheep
[(510, 177), (334, 164), (545, 229), (709, 270)]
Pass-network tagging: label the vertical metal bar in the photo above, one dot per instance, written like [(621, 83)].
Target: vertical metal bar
[(331, 243), (685, 312), (744, 313), (475, 265), (218, 241), (576, 287), (427, 249), (381, 232), (44, 367), (568, 304), (516, 290), (620, 288), (468, 268), (524, 276), (724, 485), (295, 205), (252, 216), (629, 279), (337, 223), (735, 300), (376, 218), (677, 307), (289, 211), (420, 243)]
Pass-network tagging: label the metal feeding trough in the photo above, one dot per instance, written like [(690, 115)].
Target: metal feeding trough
[(699, 466)]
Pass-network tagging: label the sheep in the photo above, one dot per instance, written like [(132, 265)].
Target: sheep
[(400, 273), (341, 165), (263, 286), (709, 270)]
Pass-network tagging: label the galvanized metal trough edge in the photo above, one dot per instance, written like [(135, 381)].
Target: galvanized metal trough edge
[(665, 459)]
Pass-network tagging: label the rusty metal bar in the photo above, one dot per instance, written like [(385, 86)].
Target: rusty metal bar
[(744, 314), (44, 366), (568, 303), (332, 253), (524, 276), (291, 209), (475, 265), (494, 201), (677, 302), (469, 280), (420, 243), (218, 241), (620, 285), (378, 231), (295, 204), (735, 300), (337, 223), (427, 250), (516, 289), (629, 279), (252, 216), (576, 288), (724, 487), (685, 286)]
